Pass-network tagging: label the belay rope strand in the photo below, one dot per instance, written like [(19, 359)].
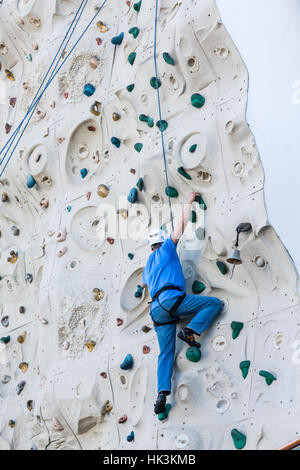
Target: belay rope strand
[(159, 110), (53, 75)]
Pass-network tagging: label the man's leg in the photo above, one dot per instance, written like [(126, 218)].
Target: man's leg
[(166, 335), (204, 308)]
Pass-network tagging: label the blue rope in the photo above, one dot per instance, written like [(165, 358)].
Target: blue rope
[(33, 101), (159, 110), (51, 79)]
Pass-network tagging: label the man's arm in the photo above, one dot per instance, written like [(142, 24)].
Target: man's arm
[(182, 223)]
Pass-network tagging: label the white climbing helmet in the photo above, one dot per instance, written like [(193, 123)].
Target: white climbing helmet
[(156, 236)]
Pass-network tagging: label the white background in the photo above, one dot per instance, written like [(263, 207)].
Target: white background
[(267, 34)]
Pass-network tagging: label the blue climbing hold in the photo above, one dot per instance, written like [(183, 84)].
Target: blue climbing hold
[(133, 195), (127, 363), (89, 89), (162, 125), (115, 141), (131, 58), (83, 172), (5, 339), (30, 181), (130, 437), (130, 87), (69, 208), (117, 40), (139, 292), (140, 184), (130, 255)]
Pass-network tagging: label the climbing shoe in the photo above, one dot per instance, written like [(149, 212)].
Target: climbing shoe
[(187, 335), (160, 404)]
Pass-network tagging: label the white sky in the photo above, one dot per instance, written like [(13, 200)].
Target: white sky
[(267, 34)]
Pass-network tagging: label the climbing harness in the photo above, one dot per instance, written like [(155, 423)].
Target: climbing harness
[(36, 100), (173, 308), (161, 128)]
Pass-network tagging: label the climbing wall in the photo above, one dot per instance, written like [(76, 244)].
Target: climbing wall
[(84, 186)]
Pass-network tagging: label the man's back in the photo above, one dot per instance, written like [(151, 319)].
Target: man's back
[(163, 267)]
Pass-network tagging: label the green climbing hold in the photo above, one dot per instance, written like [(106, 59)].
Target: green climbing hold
[(137, 6), (236, 327), (182, 172), (239, 439), (193, 354), (165, 413), (222, 267), (172, 192), (198, 287), (201, 202), (130, 87), (193, 217), (244, 366), (162, 125), (155, 83), (138, 147), (168, 58), (5, 339), (197, 100), (268, 376), (140, 184), (164, 227), (131, 58), (134, 31), (150, 122), (147, 119), (192, 148)]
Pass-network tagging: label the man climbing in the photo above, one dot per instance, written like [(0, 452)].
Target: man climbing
[(164, 277)]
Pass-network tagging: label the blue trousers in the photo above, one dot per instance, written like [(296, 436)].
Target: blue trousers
[(204, 309)]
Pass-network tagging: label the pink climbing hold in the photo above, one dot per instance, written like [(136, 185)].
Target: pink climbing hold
[(99, 41), (88, 195), (123, 419), (146, 349)]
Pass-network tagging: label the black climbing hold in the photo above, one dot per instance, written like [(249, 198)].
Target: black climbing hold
[(172, 192), (192, 148), (140, 184), (222, 267), (182, 172), (131, 58), (198, 287), (155, 83), (201, 202), (138, 147), (197, 100), (193, 217), (239, 439), (137, 6), (133, 195), (130, 87), (168, 58), (236, 327), (244, 366), (5, 321), (20, 387), (117, 40), (162, 125), (115, 141), (134, 31), (268, 376)]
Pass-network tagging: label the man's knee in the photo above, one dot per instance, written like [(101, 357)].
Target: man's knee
[(218, 305)]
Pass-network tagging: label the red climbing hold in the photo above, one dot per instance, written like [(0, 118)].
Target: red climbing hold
[(128, 3), (104, 375), (123, 419), (119, 322), (111, 241), (88, 195), (92, 128), (66, 95), (99, 41), (146, 349)]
